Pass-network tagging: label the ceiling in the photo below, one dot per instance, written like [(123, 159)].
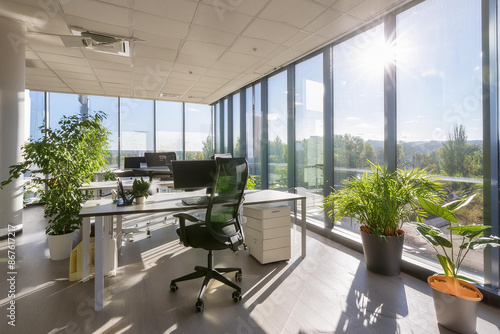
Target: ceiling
[(183, 50)]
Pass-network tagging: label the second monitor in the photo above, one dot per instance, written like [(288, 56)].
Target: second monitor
[(193, 174)]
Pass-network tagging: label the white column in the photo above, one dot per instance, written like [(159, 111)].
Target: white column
[(12, 76)]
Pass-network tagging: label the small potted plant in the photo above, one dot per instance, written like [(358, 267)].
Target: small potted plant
[(455, 300), (382, 201), (139, 190)]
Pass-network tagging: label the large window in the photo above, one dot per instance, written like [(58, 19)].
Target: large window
[(358, 86), (236, 125), (309, 91), (255, 166), (218, 144), (169, 127), (61, 104), (199, 140), (439, 99), (109, 105), (277, 131), (137, 127), (225, 128), (36, 114)]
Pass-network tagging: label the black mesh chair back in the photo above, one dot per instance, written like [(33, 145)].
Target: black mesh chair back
[(222, 218), (159, 159)]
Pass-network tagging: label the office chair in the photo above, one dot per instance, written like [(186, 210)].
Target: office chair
[(221, 228), (160, 159)]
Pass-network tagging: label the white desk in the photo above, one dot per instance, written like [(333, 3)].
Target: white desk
[(127, 184), (105, 209)]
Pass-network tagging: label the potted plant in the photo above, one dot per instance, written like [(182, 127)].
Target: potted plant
[(60, 162), (455, 300), (381, 201), (139, 190)]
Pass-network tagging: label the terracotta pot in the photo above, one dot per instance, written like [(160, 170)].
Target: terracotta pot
[(383, 254), (455, 302)]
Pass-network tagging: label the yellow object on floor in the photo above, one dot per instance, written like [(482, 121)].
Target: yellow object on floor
[(75, 262)]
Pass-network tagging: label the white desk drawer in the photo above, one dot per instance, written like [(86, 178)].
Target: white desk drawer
[(269, 233), (273, 255), (266, 211), (260, 225)]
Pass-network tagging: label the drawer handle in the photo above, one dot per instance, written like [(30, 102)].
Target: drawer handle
[(275, 211)]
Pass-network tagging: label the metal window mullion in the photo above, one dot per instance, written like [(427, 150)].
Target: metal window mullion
[(489, 26), (221, 127), (390, 116), (290, 102), (230, 118), (183, 130), (154, 125), (264, 143), (328, 169), (243, 123), (119, 144)]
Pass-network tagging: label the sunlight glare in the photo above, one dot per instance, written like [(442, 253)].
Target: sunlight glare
[(379, 54)]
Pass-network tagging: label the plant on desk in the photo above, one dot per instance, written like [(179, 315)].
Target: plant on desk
[(60, 162), (139, 190)]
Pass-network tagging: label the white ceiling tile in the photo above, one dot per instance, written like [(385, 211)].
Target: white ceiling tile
[(97, 11), (346, 5), (106, 57), (253, 46), (369, 9), (103, 79), (69, 67), (297, 38), (112, 73), (31, 55), (157, 40), (98, 26), (326, 2), (232, 21), (121, 3), (183, 75), (39, 71), (109, 65), (221, 73), (228, 67), (74, 75), (50, 57), (203, 50), (239, 59), (285, 58), (209, 35), (34, 63), (173, 9), (195, 64), (245, 7), (276, 32), (154, 52), (340, 27), (311, 43), (296, 13), (154, 24), (322, 20), (57, 50)]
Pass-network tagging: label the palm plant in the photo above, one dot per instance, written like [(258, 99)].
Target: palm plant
[(382, 200)]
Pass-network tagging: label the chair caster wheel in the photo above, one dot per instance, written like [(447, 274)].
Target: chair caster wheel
[(236, 296), (238, 276), (199, 305), (173, 287)]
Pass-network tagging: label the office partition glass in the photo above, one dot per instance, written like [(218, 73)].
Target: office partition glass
[(358, 107), (169, 127), (36, 115), (199, 140), (61, 104), (439, 99), (277, 131), (236, 125), (309, 91), (109, 105), (137, 127)]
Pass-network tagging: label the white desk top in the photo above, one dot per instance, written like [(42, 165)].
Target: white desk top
[(108, 185), (171, 202)]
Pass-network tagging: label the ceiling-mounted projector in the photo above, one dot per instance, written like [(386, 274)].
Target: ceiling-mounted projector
[(97, 42)]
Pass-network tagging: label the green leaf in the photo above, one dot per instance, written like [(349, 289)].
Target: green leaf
[(483, 242), (469, 231), (443, 241), (437, 210), (447, 265)]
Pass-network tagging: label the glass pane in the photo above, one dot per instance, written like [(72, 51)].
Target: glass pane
[(309, 90), (236, 125), (440, 105), (249, 128), (169, 127), (199, 137), (61, 104), (277, 130), (108, 105), (358, 87), (36, 102), (255, 167), (137, 127)]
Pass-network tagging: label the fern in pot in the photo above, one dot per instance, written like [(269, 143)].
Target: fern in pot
[(381, 202), (140, 190), (60, 162), (455, 300)]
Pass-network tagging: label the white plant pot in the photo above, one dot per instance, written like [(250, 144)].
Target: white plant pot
[(60, 246), (139, 200)]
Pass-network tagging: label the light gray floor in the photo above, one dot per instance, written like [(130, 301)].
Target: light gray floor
[(330, 291)]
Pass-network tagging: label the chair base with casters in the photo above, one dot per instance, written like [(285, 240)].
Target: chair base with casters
[(210, 273)]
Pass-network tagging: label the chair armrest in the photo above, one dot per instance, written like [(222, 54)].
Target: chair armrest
[(182, 225)]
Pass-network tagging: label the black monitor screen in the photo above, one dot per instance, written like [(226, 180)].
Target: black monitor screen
[(193, 174)]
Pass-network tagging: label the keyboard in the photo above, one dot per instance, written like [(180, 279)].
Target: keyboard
[(195, 200)]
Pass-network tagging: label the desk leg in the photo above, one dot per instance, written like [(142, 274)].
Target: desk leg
[(303, 209), (119, 233), (85, 249), (98, 259)]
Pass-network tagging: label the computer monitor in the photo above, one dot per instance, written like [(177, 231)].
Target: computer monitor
[(158, 159), (193, 174)]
